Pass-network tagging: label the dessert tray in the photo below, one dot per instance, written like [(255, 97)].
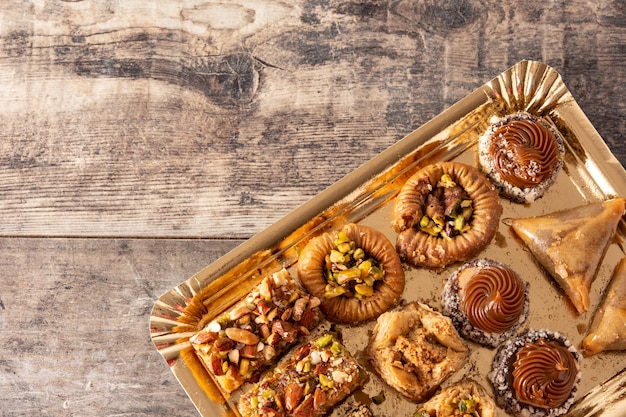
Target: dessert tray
[(590, 173)]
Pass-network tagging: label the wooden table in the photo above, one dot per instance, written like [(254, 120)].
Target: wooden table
[(141, 141)]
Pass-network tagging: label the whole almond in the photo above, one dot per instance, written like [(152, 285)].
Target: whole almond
[(242, 336)]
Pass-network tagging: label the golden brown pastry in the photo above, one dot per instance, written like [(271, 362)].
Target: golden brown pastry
[(415, 349), (318, 375), (608, 328), (240, 343), (463, 399), (445, 212), (356, 273), (571, 244)]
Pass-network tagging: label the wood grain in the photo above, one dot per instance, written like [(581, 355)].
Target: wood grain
[(211, 119), (74, 313), (140, 141)]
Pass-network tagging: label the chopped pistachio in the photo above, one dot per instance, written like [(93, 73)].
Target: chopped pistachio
[(459, 222), (364, 289), (324, 341), (344, 247), (348, 275), (325, 381), (337, 257), (379, 398), (446, 181), (244, 367), (334, 291)]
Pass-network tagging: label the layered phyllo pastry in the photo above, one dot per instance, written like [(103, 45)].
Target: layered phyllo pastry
[(445, 212), (466, 398), (536, 374), (608, 327), (238, 344), (486, 300), (571, 244), (522, 155), (415, 349), (318, 376), (355, 272)]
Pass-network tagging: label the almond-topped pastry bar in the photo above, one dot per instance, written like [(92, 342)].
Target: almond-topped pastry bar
[(244, 340), (319, 375)]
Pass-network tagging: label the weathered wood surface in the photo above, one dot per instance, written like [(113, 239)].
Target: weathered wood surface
[(175, 120)]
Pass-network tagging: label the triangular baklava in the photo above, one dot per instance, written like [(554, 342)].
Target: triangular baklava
[(571, 244), (608, 328)]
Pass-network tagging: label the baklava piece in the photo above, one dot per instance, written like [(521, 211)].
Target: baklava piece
[(536, 374), (356, 273), (415, 349), (445, 212), (463, 399), (318, 376), (241, 342), (486, 300), (571, 244), (522, 155), (608, 328)]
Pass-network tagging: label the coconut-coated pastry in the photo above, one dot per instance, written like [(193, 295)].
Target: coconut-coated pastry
[(536, 374), (522, 154), (486, 300)]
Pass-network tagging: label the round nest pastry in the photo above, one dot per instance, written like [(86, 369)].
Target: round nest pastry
[(445, 212), (487, 301), (355, 272), (536, 374), (522, 154)]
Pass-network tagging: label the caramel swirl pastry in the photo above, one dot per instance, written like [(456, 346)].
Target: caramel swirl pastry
[(445, 212), (238, 344), (522, 154), (486, 300), (355, 272), (319, 375), (536, 374)]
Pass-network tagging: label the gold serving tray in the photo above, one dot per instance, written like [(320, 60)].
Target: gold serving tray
[(590, 173)]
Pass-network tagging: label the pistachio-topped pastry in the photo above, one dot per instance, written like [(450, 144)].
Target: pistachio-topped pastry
[(355, 272), (486, 300), (317, 376), (536, 374), (544, 373), (243, 341), (522, 154), (462, 399), (445, 212)]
